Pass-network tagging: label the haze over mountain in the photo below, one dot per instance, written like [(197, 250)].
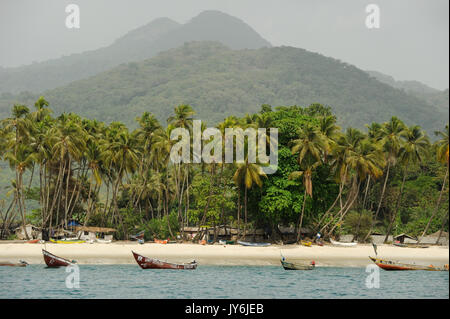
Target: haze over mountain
[(142, 43), (422, 91), (218, 82)]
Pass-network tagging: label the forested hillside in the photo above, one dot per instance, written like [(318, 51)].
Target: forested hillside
[(139, 44), (432, 96), (216, 80)]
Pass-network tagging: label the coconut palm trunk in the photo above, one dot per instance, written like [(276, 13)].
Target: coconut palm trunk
[(437, 206), (397, 206), (300, 219), (379, 204)]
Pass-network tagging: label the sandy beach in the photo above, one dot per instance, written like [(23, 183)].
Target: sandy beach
[(324, 256)]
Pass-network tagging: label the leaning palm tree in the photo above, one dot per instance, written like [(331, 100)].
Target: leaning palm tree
[(340, 151), (442, 156), (412, 151), (390, 137), (22, 159)]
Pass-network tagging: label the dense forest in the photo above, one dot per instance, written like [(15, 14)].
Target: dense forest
[(216, 80), (388, 178)]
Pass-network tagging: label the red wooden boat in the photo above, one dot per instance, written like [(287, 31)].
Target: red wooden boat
[(159, 241), (19, 264), (55, 261), (392, 265), (153, 263)]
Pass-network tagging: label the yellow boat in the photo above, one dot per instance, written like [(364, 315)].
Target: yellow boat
[(307, 243), (67, 241)]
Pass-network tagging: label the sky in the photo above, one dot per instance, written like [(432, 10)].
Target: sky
[(412, 42)]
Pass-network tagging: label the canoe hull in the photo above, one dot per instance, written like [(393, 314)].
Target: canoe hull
[(337, 243), (293, 266), (153, 263), (53, 261), (245, 243), (77, 241), (395, 266), (13, 265)]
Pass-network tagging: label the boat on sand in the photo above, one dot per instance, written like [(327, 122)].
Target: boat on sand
[(153, 263), (246, 243), (67, 241), (338, 243)]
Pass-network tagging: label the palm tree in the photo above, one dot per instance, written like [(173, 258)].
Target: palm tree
[(121, 155), (68, 144), (341, 149), (415, 146), (17, 130), (309, 146), (390, 137), (330, 130), (21, 159), (245, 176), (442, 157), (183, 117)]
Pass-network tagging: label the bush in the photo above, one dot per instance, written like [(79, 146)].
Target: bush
[(357, 224)]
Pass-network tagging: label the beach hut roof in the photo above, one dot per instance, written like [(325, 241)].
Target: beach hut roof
[(95, 229), (403, 235)]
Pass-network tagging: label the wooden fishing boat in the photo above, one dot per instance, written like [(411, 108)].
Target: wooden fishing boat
[(246, 243), (297, 266), (55, 261), (337, 243), (159, 241), (33, 241), (67, 241), (393, 265), (21, 263), (306, 243), (153, 263), (226, 242)]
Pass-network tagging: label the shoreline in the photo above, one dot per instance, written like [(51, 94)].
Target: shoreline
[(225, 255)]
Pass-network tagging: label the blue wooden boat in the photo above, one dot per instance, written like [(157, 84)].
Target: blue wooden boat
[(246, 243)]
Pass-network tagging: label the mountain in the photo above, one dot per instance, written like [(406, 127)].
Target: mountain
[(217, 82), (422, 91), (142, 43)]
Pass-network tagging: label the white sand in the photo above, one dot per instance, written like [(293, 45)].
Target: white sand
[(120, 253)]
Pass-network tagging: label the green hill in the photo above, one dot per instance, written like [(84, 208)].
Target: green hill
[(217, 82), (142, 43), (422, 91)]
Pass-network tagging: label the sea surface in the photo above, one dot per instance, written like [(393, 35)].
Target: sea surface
[(129, 281)]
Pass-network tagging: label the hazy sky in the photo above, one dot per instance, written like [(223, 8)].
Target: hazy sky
[(411, 44)]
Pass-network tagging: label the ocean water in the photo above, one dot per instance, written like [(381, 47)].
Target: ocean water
[(210, 282)]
